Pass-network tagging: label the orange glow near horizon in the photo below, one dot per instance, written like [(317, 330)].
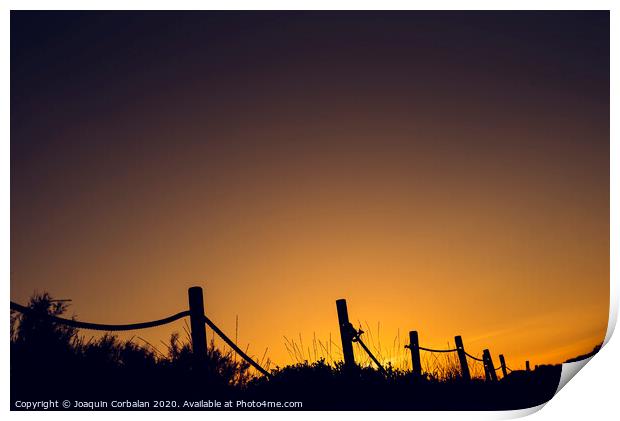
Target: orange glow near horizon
[(467, 201), (443, 256)]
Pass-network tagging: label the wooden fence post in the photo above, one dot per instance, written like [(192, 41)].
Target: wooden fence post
[(345, 333), (527, 366), (485, 363), (414, 347), (460, 350), (502, 361), (489, 368), (197, 324)]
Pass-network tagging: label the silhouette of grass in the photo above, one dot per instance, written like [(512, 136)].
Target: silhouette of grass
[(394, 355)]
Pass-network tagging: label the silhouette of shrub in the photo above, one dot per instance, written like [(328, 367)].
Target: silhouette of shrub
[(45, 353)]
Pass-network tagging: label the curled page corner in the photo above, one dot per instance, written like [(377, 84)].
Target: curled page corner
[(569, 370)]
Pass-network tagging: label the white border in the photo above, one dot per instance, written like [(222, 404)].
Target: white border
[(587, 397)]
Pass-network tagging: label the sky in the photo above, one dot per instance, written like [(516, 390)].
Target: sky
[(445, 172)]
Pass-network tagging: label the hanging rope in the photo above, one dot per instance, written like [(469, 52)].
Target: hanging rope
[(235, 347), (356, 337), (474, 358), (436, 350), (97, 326)]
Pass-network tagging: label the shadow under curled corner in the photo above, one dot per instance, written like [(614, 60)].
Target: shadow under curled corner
[(569, 369)]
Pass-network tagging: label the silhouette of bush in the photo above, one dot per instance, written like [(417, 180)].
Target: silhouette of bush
[(50, 358)]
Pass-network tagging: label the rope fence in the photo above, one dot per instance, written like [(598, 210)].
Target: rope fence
[(356, 337), (474, 368), (453, 365), (349, 335), (235, 347), (202, 318), (436, 350), (98, 326), (474, 358), (435, 363)]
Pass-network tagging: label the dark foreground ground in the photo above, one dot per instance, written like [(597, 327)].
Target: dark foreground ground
[(317, 387)]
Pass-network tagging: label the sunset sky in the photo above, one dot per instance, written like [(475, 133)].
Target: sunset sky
[(443, 172)]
